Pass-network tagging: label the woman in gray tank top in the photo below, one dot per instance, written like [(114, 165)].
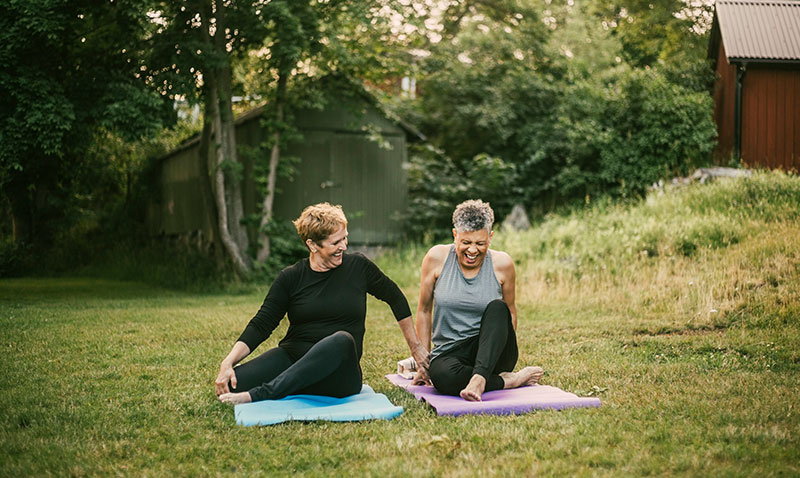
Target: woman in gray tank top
[(466, 307)]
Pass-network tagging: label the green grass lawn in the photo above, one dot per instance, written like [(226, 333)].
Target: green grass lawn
[(682, 313)]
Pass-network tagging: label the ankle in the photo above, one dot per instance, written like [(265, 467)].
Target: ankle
[(510, 380), (479, 378)]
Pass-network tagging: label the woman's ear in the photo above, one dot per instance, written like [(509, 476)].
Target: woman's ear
[(454, 233)]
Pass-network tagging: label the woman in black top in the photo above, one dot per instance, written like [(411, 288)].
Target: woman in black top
[(325, 299)]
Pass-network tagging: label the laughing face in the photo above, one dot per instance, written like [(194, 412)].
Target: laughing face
[(471, 247), (328, 253)]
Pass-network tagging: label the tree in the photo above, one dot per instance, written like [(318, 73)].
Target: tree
[(67, 78), (349, 40), (192, 57), (201, 43), (295, 34), (488, 88), (665, 30), (581, 98)]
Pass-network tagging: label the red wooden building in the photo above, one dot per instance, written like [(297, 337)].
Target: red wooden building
[(755, 51)]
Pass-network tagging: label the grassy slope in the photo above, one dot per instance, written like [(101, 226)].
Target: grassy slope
[(680, 312)]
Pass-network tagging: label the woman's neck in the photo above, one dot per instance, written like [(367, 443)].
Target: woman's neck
[(317, 265)]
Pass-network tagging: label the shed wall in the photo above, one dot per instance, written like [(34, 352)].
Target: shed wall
[(771, 117), (338, 163), (370, 184), (724, 107), (178, 207)]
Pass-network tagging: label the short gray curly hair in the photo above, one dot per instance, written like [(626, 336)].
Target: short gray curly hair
[(473, 215)]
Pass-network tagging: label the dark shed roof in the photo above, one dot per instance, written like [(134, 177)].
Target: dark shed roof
[(767, 31)]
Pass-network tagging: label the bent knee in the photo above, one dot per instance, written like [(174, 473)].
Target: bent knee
[(343, 335), (342, 339), (497, 308), (445, 379), (448, 385), (437, 369)]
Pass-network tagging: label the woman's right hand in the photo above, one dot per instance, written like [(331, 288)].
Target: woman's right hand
[(226, 374), (421, 378)]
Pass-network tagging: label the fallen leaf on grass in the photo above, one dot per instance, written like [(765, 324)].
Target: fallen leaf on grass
[(595, 391)]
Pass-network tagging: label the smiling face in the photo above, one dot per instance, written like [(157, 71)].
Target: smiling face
[(471, 247), (327, 254)]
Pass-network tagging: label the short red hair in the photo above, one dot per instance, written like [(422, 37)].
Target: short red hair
[(319, 221)]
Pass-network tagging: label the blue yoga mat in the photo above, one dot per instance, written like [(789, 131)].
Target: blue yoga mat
[(366, 405)]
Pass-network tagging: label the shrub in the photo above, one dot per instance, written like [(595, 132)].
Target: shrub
[(436, 185), (15, 259), (286, 248), (657, 130)]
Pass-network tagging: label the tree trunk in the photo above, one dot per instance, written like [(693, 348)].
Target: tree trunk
[(209, 205), (274, 159), (223, 144), (212, 115), (21, 206), (224, 78)]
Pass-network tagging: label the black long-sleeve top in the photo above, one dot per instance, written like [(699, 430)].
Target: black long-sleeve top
[(321, 303)]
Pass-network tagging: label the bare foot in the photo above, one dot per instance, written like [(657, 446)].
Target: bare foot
[(235, 398), (474, 389), (526, 376)]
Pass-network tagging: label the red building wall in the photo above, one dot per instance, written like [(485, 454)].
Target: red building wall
[(724, 105), (771, 117)]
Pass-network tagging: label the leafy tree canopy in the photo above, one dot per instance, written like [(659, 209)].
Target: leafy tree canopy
[(67, 73)]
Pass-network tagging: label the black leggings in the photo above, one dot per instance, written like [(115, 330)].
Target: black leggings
[(492, 351), (330, 367)]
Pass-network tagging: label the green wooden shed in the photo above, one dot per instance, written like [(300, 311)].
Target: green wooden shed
[(351, 154)]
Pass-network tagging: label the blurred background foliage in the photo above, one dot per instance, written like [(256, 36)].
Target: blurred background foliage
[(543, 103), (574, 100)]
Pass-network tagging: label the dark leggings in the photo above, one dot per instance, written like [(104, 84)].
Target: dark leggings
[(492, 351), (330, 367)]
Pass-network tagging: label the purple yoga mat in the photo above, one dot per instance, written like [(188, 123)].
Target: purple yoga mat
[(498, 402)]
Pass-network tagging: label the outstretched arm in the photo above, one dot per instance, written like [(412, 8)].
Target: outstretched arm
[(418, 350), (425, 304), (383, 288), (429, 272), (258, 329)]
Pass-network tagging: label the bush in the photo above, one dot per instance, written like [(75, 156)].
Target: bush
[(656, 130), (614, 133), (286, 248), (617, 134), (436, 186), (15, 259), (172, 264)]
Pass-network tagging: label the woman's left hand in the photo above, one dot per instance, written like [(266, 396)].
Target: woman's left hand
[(235, 398)]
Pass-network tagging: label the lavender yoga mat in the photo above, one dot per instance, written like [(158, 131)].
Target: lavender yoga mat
[(498, 402)]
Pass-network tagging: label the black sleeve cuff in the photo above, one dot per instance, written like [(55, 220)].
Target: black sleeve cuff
[(251, 337), (400, 307)]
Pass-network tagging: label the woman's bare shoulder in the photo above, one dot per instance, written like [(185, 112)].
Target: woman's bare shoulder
[(501, 259), (439, 251), (436, 257)]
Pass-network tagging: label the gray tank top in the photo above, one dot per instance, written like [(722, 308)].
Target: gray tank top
[(458, 302)]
